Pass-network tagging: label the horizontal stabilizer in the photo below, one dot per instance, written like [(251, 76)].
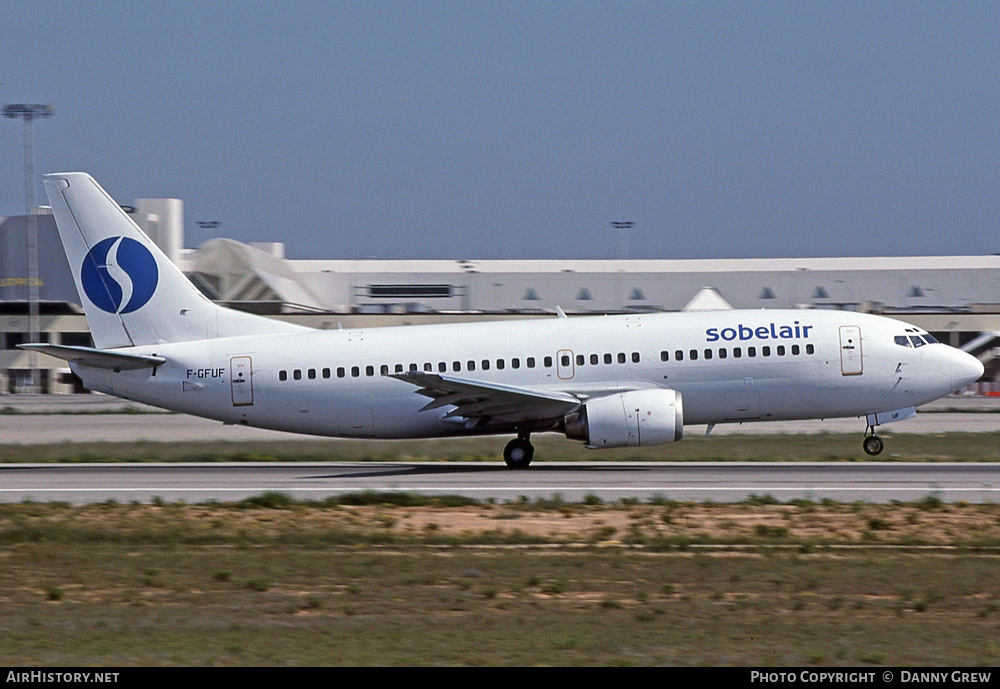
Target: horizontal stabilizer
[(98, 358)]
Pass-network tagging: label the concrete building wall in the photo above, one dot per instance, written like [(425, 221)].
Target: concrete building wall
[(55, 280), (163, 221), (925, 284)]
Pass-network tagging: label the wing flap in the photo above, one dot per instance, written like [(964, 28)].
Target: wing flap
[(481, 400)]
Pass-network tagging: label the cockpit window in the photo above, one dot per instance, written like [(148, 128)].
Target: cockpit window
[(914, 340), (917, 338)]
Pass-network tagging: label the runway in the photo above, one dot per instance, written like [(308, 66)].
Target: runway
[(78, 419), (729, 482)]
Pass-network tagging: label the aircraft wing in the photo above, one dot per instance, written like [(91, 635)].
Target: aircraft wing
[(477, 401), (98, 358)]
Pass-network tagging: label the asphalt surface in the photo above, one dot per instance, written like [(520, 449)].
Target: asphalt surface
[(844, 482), (35, 420)]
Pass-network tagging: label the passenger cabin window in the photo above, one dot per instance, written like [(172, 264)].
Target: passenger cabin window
[(635, 357), (282, 375), (547, 362), (579, 359), (312, 374), (531, 362), (326, 373), (664, 356)]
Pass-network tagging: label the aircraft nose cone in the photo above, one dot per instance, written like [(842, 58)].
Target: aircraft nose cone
[(965, 369)]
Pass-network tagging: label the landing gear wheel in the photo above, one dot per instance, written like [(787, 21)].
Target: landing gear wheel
[(518, 453), (873, 445)]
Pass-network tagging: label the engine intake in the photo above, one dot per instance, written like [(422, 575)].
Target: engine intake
[(628, 419)]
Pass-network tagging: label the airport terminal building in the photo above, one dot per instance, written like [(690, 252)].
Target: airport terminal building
[(955, 297)]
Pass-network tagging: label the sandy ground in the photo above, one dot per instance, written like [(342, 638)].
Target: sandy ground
[(924, 524)]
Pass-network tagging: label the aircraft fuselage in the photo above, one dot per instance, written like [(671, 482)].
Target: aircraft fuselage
[(729, 366)]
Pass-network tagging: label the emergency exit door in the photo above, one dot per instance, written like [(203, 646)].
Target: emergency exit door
[(565, 367)]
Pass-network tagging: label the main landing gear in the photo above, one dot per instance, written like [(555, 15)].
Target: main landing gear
[(872, 444), (519, 451)]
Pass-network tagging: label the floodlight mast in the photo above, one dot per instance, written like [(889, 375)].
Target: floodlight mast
[(28, 113), (209, 226), (623, 226)]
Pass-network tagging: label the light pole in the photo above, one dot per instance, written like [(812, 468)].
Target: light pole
[(209, 226), (28, 113), (623, 227)]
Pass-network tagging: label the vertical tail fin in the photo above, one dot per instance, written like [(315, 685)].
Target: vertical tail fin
[(131, 292)]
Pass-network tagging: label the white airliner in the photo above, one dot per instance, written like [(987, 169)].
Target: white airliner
[(610, 381)]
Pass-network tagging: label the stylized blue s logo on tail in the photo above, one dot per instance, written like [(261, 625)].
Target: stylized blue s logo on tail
[(119, 275)]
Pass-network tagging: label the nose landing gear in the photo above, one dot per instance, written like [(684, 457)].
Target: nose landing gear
[(519, 451), (873, 445)]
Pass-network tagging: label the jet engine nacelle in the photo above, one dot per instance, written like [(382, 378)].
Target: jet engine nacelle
[(628, 419)]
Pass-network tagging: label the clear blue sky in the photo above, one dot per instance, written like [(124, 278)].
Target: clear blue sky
[(521, 129)]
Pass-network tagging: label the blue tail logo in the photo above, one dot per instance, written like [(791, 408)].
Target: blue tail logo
[(119, 275)]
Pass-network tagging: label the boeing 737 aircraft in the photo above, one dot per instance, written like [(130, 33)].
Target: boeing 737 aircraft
[(610, 381)]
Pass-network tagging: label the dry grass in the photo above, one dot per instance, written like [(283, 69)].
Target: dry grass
[(385, 583), (414, 520)]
